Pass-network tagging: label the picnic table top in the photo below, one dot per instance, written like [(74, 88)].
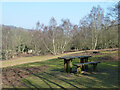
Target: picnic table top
[(73, 57)]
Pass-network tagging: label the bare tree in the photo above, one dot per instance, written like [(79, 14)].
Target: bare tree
[(66, 35), (96, 16)]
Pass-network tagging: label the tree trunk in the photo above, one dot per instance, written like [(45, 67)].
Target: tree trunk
[(95, 44), (54, 50), (48, 48)]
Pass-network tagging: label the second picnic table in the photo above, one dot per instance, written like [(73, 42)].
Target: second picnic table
[(68, 62)]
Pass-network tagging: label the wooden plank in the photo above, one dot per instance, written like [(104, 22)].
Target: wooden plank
[(82, 56), (67, 58), (73, 57), (86, 66), (86, 63), (79, 69), (65, 66), (80, 64), (95, 67), (82, 61), (70, 65), (94, 62)]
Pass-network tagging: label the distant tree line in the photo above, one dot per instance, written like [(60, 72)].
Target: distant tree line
[(95, 31)]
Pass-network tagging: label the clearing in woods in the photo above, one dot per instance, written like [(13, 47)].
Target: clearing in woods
[(50, 73)]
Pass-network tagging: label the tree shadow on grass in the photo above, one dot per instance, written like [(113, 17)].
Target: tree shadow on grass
[(30, 84), (45, 79), (64, 80), (106, 76)]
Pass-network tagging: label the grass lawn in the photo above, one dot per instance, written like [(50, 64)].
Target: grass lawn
[(54, 77), (24, 60)]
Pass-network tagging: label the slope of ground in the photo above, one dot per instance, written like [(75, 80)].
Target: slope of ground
[(50, 74), (24, 60)]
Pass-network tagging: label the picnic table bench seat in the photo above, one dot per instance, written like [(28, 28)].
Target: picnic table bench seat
[(80, 65)]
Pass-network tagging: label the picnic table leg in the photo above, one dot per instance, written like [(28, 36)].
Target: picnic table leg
[(70, 65), (65, 65), (79, 69), (95, 66), (86, 66), (82, 61)]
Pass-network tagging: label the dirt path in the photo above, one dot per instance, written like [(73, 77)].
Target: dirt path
[(24, 60)]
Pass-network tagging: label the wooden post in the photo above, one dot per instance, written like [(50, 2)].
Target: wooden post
[(86, 66), (69, 65), (95, 67), (79, 69), (65, 65), (82, 61)]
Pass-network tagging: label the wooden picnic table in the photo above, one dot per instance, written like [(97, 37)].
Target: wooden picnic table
[(68, 62)]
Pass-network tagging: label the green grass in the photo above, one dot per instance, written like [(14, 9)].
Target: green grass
[(109, 51), (106, 77), (54, 76), (23, 60)]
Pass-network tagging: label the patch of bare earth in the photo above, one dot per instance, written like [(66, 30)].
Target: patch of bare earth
[(109, 58), (12, 76)]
